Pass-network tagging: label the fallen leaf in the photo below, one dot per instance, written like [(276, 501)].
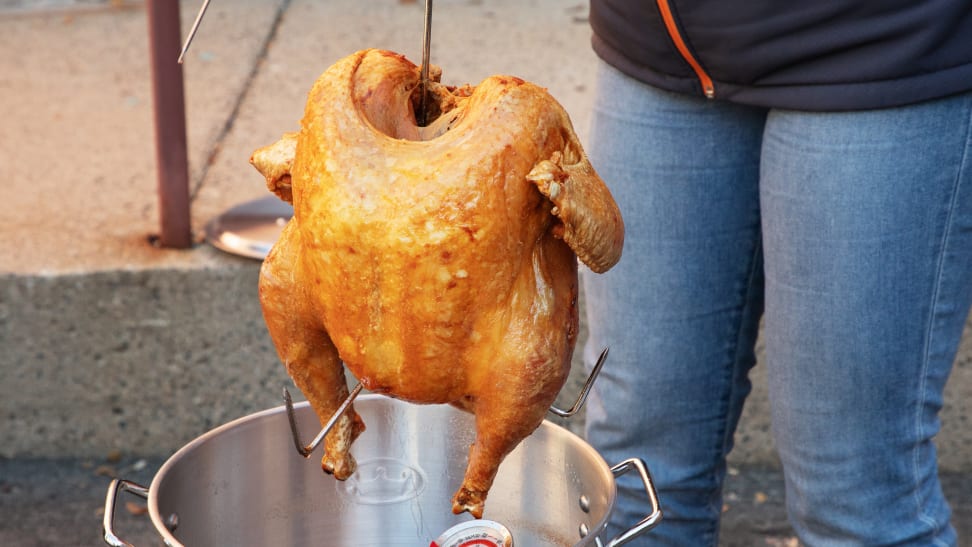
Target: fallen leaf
[(105, 471), (136, 508)]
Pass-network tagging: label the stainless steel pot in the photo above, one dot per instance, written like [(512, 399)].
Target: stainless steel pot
[(244, 484)]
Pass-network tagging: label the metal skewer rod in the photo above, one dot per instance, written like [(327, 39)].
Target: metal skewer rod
[(192, 31), (306, 451), (582, 398), (424, 82)]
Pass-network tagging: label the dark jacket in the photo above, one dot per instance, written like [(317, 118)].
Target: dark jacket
[(800, 54)]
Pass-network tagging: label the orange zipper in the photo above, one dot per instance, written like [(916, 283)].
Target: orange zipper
[(676, 35)]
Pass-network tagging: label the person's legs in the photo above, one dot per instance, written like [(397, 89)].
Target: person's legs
[(680, 310), (867, 236)]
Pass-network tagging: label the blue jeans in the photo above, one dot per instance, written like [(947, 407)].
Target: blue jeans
[(850, 236)]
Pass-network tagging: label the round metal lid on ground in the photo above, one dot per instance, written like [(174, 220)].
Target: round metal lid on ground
[(250, 229)]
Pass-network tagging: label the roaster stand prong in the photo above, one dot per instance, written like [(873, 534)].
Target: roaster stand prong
[(582, 398), (306, 451)]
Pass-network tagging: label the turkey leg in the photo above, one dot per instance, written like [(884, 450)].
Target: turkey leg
[(309, 354)]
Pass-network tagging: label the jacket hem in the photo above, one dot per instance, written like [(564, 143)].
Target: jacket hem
[(818, 97)]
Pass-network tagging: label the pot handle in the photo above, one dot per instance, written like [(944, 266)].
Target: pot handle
[(113, 488), (654, 517)]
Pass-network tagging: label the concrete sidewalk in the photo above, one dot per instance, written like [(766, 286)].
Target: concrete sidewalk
[(113, 346)]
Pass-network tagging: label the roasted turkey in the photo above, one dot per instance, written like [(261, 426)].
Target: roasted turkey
[(437, 263)]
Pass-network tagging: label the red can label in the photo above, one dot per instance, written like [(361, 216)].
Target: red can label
[(475, 533)]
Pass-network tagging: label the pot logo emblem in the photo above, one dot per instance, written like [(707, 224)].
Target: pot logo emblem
[(384, 480)]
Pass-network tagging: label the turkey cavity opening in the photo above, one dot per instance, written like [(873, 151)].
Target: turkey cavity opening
[(441, 112), (394, 112)]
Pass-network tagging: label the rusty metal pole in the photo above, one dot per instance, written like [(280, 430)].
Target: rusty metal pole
[(172, 162)]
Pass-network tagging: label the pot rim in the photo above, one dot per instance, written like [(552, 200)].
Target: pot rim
[(160, 475), (546, 427)]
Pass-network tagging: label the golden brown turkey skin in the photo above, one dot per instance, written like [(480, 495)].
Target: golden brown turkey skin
[(438, 263)]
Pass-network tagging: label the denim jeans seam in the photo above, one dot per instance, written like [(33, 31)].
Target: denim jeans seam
[(754, 262), (731, 372), (929, 331)]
